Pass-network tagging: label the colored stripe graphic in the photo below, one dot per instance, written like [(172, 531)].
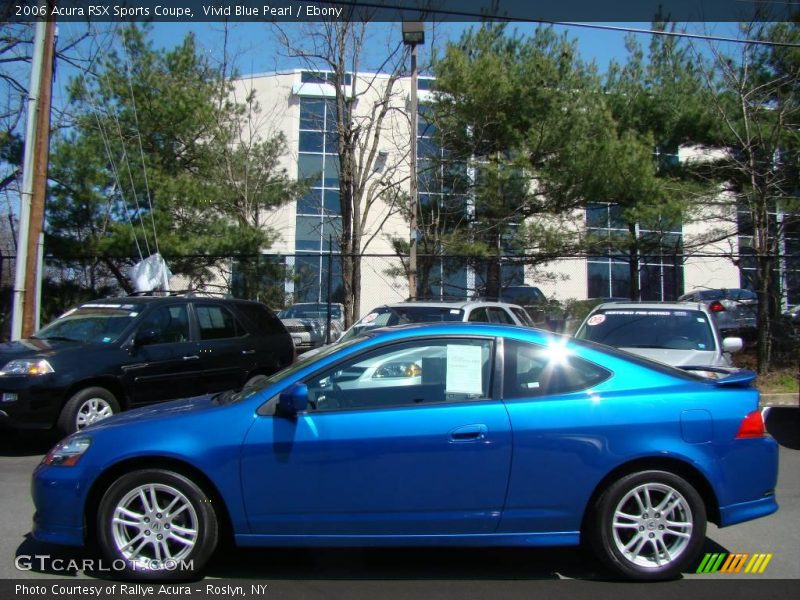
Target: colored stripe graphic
[(723, 562)]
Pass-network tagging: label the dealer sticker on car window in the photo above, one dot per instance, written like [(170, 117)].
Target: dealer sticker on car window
[(595, 320)]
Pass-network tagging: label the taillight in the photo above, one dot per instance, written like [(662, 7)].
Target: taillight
[(716, 306), (752, 426)]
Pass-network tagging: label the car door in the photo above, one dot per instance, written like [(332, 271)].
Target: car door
[(168, 366), (561, 434), (224, 352), (403, 440)]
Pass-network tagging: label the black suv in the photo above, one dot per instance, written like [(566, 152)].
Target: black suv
[(119, 353)]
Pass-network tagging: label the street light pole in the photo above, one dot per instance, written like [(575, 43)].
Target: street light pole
[(413, 35)]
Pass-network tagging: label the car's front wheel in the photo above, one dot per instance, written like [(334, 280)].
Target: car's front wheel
[(649, 525), (85, 407), (156, 524)]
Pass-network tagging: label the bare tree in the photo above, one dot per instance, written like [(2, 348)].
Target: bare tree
[(755, 95), (370, 176)]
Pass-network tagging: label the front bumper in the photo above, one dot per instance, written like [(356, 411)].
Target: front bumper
[(36, 404), (58, 495)]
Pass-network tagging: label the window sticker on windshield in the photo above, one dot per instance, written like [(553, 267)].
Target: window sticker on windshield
[(701, 320), (106, 340), (454, 311), (369, 318), (701, 346), (595, 320), (134, 314), (680, 313), (464, 372)]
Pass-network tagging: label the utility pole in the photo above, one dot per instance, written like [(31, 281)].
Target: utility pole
[(34, 186), (30, 320), (413, 35)]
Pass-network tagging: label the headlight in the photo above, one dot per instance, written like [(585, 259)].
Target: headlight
[(398, 369), (67, 452), (27, 366)]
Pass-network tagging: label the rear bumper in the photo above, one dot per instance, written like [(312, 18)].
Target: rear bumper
[(747, 511)]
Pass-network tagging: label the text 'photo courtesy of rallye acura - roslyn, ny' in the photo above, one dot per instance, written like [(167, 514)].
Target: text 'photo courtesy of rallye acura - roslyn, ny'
[(450, 434)]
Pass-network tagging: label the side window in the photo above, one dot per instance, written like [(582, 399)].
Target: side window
[(499, 315), (532, 370), (265, 322), (171, 323), (412, 373), (216, 322), (479, 315), (522, 316)]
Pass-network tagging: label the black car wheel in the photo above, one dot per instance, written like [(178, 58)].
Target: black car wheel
[(86, 407), (648, 525), (158, 524)]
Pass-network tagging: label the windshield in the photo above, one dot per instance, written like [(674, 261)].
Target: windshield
[(91, 323), (522, 295), (649, 328), (311, 311), (387, 316)]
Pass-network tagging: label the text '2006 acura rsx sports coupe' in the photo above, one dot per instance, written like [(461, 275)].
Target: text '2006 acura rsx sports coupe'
[(442, 434)]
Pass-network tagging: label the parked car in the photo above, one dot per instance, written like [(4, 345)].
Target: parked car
[(307, 323), (110, 355), (544, 313), (508, 436), (678, 334), (735, 311)]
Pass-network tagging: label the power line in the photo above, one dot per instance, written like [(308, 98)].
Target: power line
[(519, 19)]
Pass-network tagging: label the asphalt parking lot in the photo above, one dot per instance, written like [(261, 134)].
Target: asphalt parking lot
[(298, 572)]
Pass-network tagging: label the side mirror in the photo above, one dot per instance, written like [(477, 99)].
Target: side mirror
[(146, 337), (732, 344), (293, 401)]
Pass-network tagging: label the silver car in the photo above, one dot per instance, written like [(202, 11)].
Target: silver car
[(675, 333)]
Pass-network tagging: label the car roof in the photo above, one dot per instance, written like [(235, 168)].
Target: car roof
[(650, 305), (461, 304)]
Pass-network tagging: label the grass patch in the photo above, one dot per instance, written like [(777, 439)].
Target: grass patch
[(781, 380)]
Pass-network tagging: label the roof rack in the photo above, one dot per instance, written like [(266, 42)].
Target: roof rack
[(176, 293)]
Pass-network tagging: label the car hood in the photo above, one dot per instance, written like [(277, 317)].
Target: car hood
[(679, 358), (32, 347), (159, 412)]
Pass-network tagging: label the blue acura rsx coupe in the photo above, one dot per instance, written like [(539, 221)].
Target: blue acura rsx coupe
[(451, 434)]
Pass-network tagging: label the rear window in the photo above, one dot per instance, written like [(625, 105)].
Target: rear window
[(649, 328), (523, 295), (262, 318)]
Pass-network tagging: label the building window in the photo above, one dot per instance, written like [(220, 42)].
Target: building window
[(318, 211), (659, 248), (786, 274)]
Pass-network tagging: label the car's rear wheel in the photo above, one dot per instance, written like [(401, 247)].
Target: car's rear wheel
[(649, 525), (156, 524), (86, 407)]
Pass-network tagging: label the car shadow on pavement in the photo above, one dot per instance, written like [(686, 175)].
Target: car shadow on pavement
[(26, 443), (442, 563), (783, 423)]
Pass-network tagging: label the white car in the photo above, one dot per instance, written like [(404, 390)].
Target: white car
[(403, 313), (676, 333)]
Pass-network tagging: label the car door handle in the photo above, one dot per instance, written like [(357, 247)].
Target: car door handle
[(193, 357), (248, 351), (469, 433)]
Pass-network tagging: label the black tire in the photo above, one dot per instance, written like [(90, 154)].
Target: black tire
[(655, 539), (80, 405), (254, 381), (117, 541)]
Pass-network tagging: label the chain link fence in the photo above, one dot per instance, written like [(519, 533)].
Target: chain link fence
[(280, 280)]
